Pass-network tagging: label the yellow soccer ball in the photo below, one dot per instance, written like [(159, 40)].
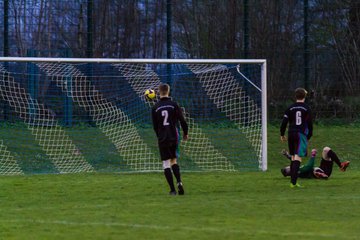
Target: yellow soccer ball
[(150, 94)]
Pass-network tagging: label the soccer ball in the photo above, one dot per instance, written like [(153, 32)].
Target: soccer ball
[(150, 94)]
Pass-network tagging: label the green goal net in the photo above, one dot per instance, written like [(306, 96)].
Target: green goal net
[(68, 115)]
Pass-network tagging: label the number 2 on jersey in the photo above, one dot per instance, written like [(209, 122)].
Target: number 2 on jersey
[(165, 114)]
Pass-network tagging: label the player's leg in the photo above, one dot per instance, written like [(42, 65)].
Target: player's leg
[(285, 171), (319, 173), (306, 170), (165, 156), (294, 170), (176, 170), (294, 143), (299, 145), (329, 153), (344, 165), (326, 164), (308, 167), (286, 154), (169, 176)]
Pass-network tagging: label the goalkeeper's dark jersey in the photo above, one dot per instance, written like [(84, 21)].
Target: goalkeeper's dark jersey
[(166, 114), (298, 115)]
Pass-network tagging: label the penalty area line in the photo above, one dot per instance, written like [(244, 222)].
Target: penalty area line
[(158, 227)]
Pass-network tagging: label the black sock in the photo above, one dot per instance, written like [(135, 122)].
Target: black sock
[(294, 171), (331, 154), (169, 178), (176, 170)]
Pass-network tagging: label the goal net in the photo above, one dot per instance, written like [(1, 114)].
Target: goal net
[(90, 115)]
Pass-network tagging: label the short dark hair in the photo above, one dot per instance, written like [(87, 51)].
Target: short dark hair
[(300, 93), (164, 89)]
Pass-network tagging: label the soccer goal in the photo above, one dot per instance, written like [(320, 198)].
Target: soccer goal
[(65, 115)]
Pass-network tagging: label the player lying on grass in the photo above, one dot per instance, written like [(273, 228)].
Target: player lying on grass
[(323, 171)]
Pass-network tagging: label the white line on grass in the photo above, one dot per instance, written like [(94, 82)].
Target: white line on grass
[(288, 198), (328, 198), (87, 206), (158, 227)]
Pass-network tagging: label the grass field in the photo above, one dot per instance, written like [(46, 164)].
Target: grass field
[(217, 205)]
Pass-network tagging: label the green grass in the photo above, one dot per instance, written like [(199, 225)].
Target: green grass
[(217, 205)]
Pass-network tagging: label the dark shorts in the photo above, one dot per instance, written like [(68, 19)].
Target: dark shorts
[(169, 152), (297, 144)]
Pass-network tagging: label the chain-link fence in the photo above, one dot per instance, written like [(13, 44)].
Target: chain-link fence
[(272, 30)]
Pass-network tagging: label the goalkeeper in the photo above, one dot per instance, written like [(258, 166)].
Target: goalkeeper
[(323, 171)]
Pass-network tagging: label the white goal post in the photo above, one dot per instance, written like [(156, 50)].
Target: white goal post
[(56, 99)]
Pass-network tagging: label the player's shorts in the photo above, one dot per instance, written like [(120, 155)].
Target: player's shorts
[(169, 152), (297, 144)]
